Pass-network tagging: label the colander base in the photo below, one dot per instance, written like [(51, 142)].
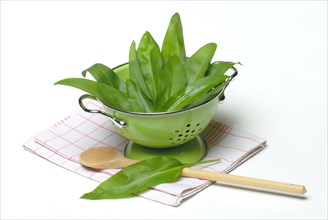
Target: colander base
[(189, 152)]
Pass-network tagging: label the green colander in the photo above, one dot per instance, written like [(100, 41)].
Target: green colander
[(172, 134)]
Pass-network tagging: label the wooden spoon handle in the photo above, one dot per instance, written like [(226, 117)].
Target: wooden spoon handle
[(244, 181)]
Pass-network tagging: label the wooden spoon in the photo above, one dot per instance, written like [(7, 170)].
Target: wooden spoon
[(109, 157)]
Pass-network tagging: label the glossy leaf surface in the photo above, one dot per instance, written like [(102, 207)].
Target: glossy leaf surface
[(139, 177), (173, 44), (159, 80), (199, 62), (151, 64), (104, 74), (103, 92)]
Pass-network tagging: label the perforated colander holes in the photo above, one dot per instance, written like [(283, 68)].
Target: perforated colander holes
[(187, 134)]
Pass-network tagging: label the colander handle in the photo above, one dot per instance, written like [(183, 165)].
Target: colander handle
[(233, 75), (115, 121)]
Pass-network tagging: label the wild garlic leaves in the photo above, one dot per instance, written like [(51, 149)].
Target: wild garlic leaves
[(139, 177), (160, 79)]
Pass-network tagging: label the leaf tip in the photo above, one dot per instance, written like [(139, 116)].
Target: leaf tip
[(213, 46), (58, 82), (85, 196), (176, 15), (84, 73)]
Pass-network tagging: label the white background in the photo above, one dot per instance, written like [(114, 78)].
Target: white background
[(280, 94)]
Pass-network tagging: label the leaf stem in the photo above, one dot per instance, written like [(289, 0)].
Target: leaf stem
[(202, 162)]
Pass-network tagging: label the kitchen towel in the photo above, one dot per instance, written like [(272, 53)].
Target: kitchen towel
[(63, 142)]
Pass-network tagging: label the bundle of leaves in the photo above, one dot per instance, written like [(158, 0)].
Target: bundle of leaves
[(160, 80)]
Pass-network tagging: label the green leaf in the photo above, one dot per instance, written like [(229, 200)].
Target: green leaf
[(174, 80), (193, 92), (136, 74), (208, 96), (146, 103), (107, 94), (178, 78), (132, 90), (202, 89), (173, 44), (220, 67), (137, 95), (217, 68), (159, 80), (139, 177), (104, 74), (199, 62), (151, 64)]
